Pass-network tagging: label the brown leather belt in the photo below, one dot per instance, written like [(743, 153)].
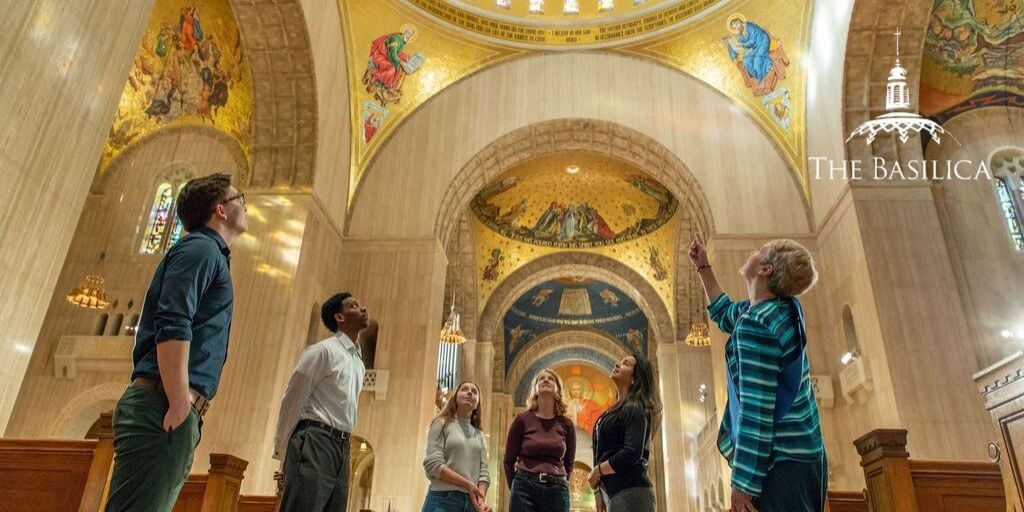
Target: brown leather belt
[(199, 402)]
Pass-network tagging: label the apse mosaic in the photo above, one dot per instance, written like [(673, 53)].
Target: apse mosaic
[(575, 201), (588, 392), (568, 207), (190, 70), (572, 302), (973, 57), (401, 53)]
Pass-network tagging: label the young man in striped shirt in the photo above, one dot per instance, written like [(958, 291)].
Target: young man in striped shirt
[(770, 430)]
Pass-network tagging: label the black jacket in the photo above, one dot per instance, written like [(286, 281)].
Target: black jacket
[(622, 438)]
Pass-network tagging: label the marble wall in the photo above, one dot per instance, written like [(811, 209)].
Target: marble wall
[(58, 61)]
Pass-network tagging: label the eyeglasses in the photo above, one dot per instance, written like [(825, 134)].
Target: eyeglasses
[(239, 197)]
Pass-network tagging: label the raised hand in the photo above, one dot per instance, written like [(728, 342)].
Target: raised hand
[(698, 252)]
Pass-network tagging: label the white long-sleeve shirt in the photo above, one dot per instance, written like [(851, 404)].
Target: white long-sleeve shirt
[(324, 387)]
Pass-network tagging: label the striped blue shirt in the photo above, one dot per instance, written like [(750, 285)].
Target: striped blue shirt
[(761, 338)]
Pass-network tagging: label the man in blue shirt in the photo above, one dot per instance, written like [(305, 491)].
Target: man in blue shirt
[(180, 349)]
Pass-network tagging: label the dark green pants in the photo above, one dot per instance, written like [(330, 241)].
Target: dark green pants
[(792, 486), (315, 472), (150, 464)]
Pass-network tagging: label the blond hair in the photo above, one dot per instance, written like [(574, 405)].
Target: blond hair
[(533, 403), (793, 270)]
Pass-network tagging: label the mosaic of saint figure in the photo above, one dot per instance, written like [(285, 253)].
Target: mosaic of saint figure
[(519, 336), (492, 271), (758, 56), (389, 64), (583, 411), (654, 260)]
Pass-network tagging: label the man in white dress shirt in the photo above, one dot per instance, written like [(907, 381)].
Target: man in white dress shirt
[(318, 413)]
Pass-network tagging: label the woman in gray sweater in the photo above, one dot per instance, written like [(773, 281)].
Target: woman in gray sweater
[(456, 459)]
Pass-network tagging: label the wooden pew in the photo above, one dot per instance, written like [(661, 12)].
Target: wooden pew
[(43, 475), (895, 483), (845, 501), (257, 504), (65, 475)]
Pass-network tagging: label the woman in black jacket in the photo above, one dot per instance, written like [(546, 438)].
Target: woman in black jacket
[(622, 439)]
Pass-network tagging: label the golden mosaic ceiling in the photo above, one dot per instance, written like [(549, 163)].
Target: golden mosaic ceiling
[(605, 206), (190, 70)]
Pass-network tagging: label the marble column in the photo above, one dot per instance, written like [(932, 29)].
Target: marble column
[(485, 377), (504, 412), (402, 284), (467, 364), (64, 65), (672, 434), (922, 322)]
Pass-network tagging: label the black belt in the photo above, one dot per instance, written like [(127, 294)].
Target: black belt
[(199, 402), (341, 435), (543, 478)]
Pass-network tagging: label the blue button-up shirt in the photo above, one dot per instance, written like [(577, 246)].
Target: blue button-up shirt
[(189, 299)]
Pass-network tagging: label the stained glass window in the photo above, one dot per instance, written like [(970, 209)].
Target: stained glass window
[(571, 7), (536, 6), (178, 226), (159, 218), (605, 5), (1010, 213)]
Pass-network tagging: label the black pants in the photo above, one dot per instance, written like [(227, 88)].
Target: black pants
[(529, 495), (315, 472), (794, 487)]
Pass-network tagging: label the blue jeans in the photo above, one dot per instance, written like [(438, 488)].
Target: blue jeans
[(448, 501), (532, 496)]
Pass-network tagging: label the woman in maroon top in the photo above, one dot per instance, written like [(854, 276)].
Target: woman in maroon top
[(540, 450)]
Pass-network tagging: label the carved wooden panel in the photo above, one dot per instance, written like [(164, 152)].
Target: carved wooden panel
[(955, 486)]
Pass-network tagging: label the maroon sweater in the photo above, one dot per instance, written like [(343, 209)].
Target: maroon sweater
[(540, 446)]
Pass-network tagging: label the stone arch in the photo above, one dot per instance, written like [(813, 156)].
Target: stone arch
[(589, 135), (590, 265), (123, 160), (275, 38), (627, 280), (556, 340), (601, 137), (75, 418), (415, 177)]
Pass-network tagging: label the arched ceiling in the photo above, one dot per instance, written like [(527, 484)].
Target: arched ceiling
[(973, 57), (542, 207), (572, 302), (402, 55)]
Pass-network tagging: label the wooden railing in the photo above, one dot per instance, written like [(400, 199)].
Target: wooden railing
[(895, 483)]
